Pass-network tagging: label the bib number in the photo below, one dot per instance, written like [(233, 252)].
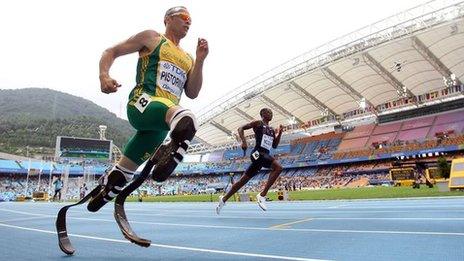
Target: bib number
[(266, 142), (255, 155), (142, 102)]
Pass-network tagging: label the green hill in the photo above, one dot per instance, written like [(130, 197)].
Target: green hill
[(35, 116)]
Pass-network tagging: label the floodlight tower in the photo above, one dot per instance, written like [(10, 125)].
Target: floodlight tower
[(102, 131)]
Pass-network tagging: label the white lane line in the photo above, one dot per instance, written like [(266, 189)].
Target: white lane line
[(340, 206), (172, 246), (212, 216), (304, 229), (23, 212), (23, 219), (282, 229), (260, 217), (161, 206), (305, 209), (37, 215), (392, 218), (459, 206), (241, 217), (182, 214), (314, 218), (274, 213), (331, 210), (277, 229)]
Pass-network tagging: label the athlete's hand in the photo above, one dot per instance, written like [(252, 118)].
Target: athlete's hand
[(108, 84), (202, 49), (244, 146), (281, 128)]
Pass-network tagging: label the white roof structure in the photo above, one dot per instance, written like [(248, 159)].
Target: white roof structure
[(404, 55)]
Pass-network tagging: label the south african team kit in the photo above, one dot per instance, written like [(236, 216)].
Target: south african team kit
[(161, 77)]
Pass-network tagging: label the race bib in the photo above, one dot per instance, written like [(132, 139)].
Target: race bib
[(255, 155), (142, 102), (266, 142), (171, 78)]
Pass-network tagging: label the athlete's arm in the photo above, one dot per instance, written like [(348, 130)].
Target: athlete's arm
[(136, 43), (241, 131), (276, 141), (195, 76)]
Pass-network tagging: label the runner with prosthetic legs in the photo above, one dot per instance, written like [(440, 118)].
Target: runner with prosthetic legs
[(183, 127), (164, 72), (265, 139)]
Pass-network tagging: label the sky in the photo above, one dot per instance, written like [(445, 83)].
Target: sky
[(57, 44)]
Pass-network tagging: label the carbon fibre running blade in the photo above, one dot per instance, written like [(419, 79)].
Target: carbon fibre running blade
[(126, 229), (63, 239), (120, 213)]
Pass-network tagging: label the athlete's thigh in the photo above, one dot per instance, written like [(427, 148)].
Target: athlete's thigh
[(147, 114), (267, 160), (151, 116), (255, 165)]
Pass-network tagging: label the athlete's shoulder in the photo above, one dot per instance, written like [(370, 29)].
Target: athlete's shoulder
[(250, 125), (149, 39), (150, 31), (256, 124), (149, 34)]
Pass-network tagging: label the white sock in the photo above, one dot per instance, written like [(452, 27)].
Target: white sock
[(127, 173), (179, 114)]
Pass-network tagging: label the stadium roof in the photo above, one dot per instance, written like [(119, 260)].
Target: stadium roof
[(404, 55)]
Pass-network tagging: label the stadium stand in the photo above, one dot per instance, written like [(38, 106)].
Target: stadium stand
[(302, 159), (393, 122)]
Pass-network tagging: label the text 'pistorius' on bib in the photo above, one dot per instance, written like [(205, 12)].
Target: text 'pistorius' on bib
[(171, 78)]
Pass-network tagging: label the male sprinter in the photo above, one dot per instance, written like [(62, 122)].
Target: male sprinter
[(265, 139), (164, 71)]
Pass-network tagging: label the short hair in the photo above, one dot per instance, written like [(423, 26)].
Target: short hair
[(174, 10), (261, 112)]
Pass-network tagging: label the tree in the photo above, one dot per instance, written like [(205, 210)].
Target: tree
[(444, 168)]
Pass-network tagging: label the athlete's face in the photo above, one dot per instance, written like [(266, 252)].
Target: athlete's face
[(267, 115), (180, 22)]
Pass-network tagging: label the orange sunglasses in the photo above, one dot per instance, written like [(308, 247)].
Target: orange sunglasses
[(184, 16)]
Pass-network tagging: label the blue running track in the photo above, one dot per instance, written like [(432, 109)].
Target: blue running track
[(408, 229)]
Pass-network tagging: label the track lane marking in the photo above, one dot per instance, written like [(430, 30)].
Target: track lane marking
[(288, 225), (273, 229), (195, 249)]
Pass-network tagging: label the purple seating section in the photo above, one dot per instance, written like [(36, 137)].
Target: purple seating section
[(360, 131), (413, 134), (353, 143), (409, 130), (417, 123), (457, 127), (388, 137), (450, 117), (386, 128)]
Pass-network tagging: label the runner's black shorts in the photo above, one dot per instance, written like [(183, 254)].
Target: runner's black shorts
[(259, 160)]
